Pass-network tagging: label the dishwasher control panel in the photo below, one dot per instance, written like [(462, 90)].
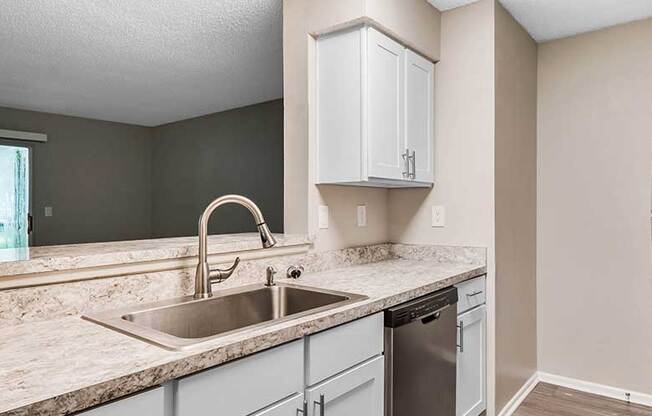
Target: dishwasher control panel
[(420, 307)]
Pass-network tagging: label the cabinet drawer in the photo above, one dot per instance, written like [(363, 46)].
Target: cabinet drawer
[(243, 386), (342, 347), (471, 293), (148, 403)]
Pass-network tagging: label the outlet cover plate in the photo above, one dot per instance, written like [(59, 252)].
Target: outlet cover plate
[(323, 217), (438, 216), (362, 215)]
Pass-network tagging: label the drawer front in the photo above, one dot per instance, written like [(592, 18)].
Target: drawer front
[(471, 293), (148, 403), (243, 386), (343, 347)]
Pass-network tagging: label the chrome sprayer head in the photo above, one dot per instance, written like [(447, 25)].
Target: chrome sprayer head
[(266, 237)]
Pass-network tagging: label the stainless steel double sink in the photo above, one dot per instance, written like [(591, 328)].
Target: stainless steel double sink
[(181, 323)]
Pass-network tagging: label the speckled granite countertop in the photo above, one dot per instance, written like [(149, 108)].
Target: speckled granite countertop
[(62, 366), (76, 256)]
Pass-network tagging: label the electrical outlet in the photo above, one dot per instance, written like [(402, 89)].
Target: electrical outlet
[(48, 211), (438, 216), (323, 216), (362, 215)]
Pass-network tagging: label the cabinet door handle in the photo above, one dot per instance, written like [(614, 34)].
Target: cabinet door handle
[(412, 157), (460, 326), (321, 404), (304, 410), (470, 295), (406, 162)]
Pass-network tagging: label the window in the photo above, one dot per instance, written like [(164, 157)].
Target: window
[(14, 196)]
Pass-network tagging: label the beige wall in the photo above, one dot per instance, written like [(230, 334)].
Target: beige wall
[(516, 214), (416, 23), (485, 177), (464, 142), (464, 150), (300, 18), (594, 262)]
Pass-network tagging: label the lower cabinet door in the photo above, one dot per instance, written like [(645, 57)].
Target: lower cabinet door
[(357, 391), (291, 406), (471, 396)]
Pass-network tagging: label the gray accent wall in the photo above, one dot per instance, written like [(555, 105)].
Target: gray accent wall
[(194, 161), (94, 174), (110, 181)]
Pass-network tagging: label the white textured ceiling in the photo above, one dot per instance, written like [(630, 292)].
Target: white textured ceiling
[(139, 61), (553, 19), (443, 5)]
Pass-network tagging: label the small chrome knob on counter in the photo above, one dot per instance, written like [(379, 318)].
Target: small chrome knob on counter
[(270, 272), (294, 272)]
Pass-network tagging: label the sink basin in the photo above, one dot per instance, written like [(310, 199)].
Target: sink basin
[(184, 322)]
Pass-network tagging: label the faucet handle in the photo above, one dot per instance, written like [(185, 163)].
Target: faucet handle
[(294, 272), (220, 275), (270, 272)]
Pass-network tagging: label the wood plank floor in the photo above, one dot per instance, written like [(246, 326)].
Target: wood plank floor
[(549, 400)]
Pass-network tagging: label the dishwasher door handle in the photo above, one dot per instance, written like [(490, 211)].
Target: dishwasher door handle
[(460, 326)]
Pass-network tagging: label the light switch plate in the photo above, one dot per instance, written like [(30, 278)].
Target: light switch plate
[(323, 216), (438, 216), (48, 211), (362, 215)]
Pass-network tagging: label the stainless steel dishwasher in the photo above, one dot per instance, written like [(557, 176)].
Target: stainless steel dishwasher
[(420, 356)]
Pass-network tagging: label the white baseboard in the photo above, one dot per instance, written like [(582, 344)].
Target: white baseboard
[(575, 384), (520, 395), (594, 388)]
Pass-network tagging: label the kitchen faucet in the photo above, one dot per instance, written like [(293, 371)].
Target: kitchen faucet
[(205, 276)]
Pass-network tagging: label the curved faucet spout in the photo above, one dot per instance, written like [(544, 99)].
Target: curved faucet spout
[(203, 276)]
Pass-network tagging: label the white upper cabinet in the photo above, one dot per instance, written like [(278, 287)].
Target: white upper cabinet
[(419, 114), (373, 112)]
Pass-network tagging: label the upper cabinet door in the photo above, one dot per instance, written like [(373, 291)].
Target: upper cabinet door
[(385, 115), (419, 115)]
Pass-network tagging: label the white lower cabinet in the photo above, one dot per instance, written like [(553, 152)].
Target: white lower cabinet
[(342, 365), (335, 350), (149, 403), (471, 362), (288, 407), (244, 386), (357, 391)]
